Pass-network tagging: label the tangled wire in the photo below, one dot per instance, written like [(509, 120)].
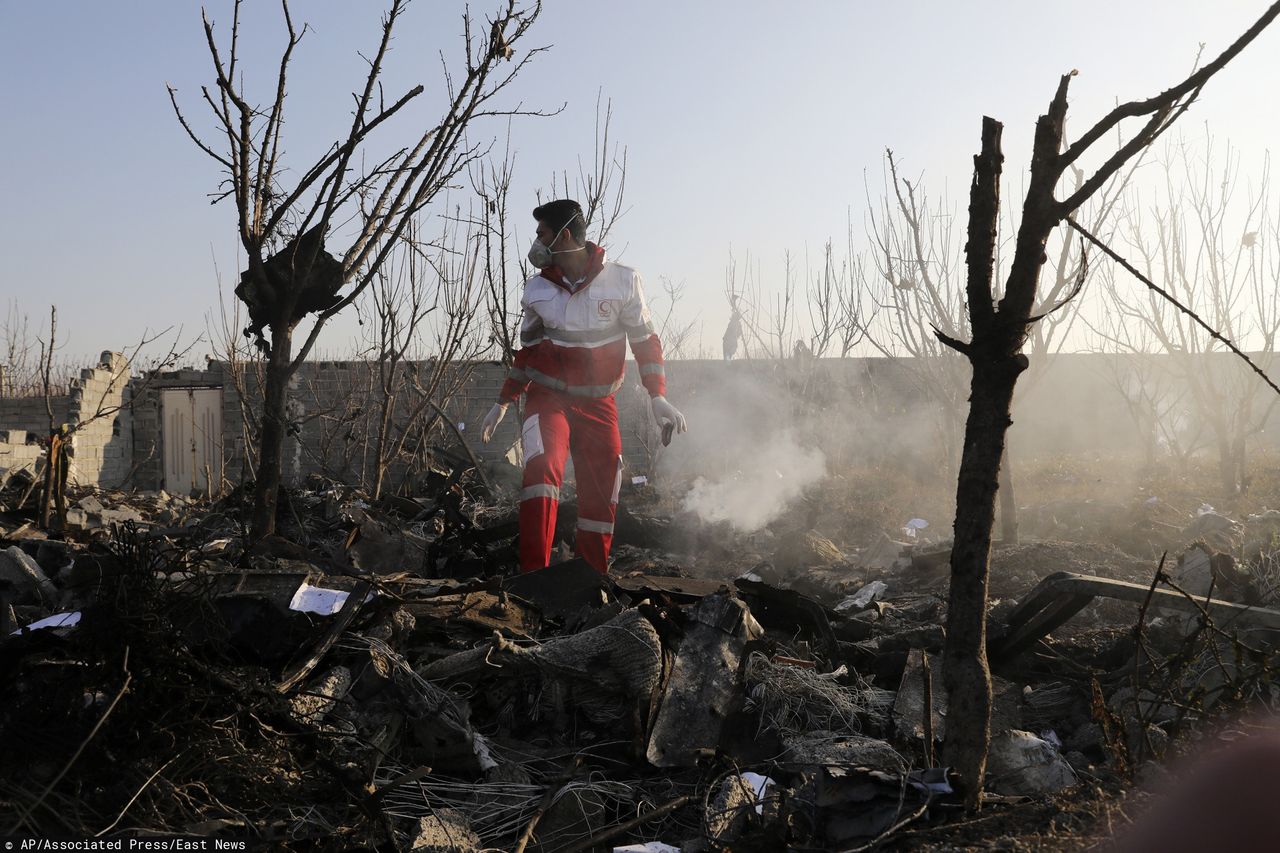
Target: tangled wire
[(791, 699)]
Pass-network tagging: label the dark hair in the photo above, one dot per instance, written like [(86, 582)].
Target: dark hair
[(561, 213)]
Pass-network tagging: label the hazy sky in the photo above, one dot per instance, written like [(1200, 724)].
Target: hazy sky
[(749, 125)]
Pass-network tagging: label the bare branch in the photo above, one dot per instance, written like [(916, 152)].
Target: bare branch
[(1164, 101)]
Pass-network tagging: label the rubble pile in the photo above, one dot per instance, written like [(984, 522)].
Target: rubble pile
[(377, 678)]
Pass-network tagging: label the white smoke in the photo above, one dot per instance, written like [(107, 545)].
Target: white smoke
[(775, 473)]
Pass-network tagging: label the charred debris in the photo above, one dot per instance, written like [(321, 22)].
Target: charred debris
[(376, 677)]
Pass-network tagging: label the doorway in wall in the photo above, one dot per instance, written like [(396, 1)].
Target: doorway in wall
[(192, 439)]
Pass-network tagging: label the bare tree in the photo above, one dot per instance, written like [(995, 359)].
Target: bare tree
[(999, 324), (283, 229), (436, 289), (400, 302), (19, 346), (1215, 253), (26, 370), (242, 365), (90, 410), (600, 189), (1153, 396), (838, 317), (676, 333), (752, 322), (503, 272), (914, 280), (55, 465)]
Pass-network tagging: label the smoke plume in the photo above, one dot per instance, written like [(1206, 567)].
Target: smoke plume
[(757, 493)]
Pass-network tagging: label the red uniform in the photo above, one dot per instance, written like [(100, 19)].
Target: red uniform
[(573, 341)]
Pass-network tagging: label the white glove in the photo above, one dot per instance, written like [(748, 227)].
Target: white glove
[(664, 413), (491, 421)]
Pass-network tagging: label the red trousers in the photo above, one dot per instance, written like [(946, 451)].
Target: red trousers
[(558, 425)]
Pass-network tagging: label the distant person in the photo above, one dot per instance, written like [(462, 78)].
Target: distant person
[(732, 334), (578, 313)]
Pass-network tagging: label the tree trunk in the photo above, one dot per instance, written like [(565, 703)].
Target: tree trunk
[(965, 673), (60, 484), (48, 489), (995, 354), (1008, 503), (275, 427), (1227, 470), (381, 462), (996, 359), (1238, 461)]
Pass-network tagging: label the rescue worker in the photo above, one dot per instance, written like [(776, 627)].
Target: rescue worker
[(580, 311)]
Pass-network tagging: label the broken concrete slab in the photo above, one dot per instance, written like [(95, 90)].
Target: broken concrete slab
[(1194, 571), (445, 831), (90, 504), (25, 580), (743, 799), (56, 558), (588, 670), (1021, 764), (704, 686), (831, 749), (90, 515), (313, 704)]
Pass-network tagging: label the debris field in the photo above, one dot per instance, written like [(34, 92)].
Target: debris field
[(377, 676)]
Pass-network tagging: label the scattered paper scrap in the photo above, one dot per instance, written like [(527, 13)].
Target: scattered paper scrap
[(317, 599), (57, 620)]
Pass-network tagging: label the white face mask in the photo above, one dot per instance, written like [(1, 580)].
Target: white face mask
[(542, 257)]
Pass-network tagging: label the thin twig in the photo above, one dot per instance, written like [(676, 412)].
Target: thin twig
[(134, 798), (549, 797), (926, 675), (403, 779), (1141, 649)]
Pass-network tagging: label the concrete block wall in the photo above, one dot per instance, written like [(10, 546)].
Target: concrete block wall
[(30, 414), (16, 453), (102, 444), (851, 408), (337, 407)]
